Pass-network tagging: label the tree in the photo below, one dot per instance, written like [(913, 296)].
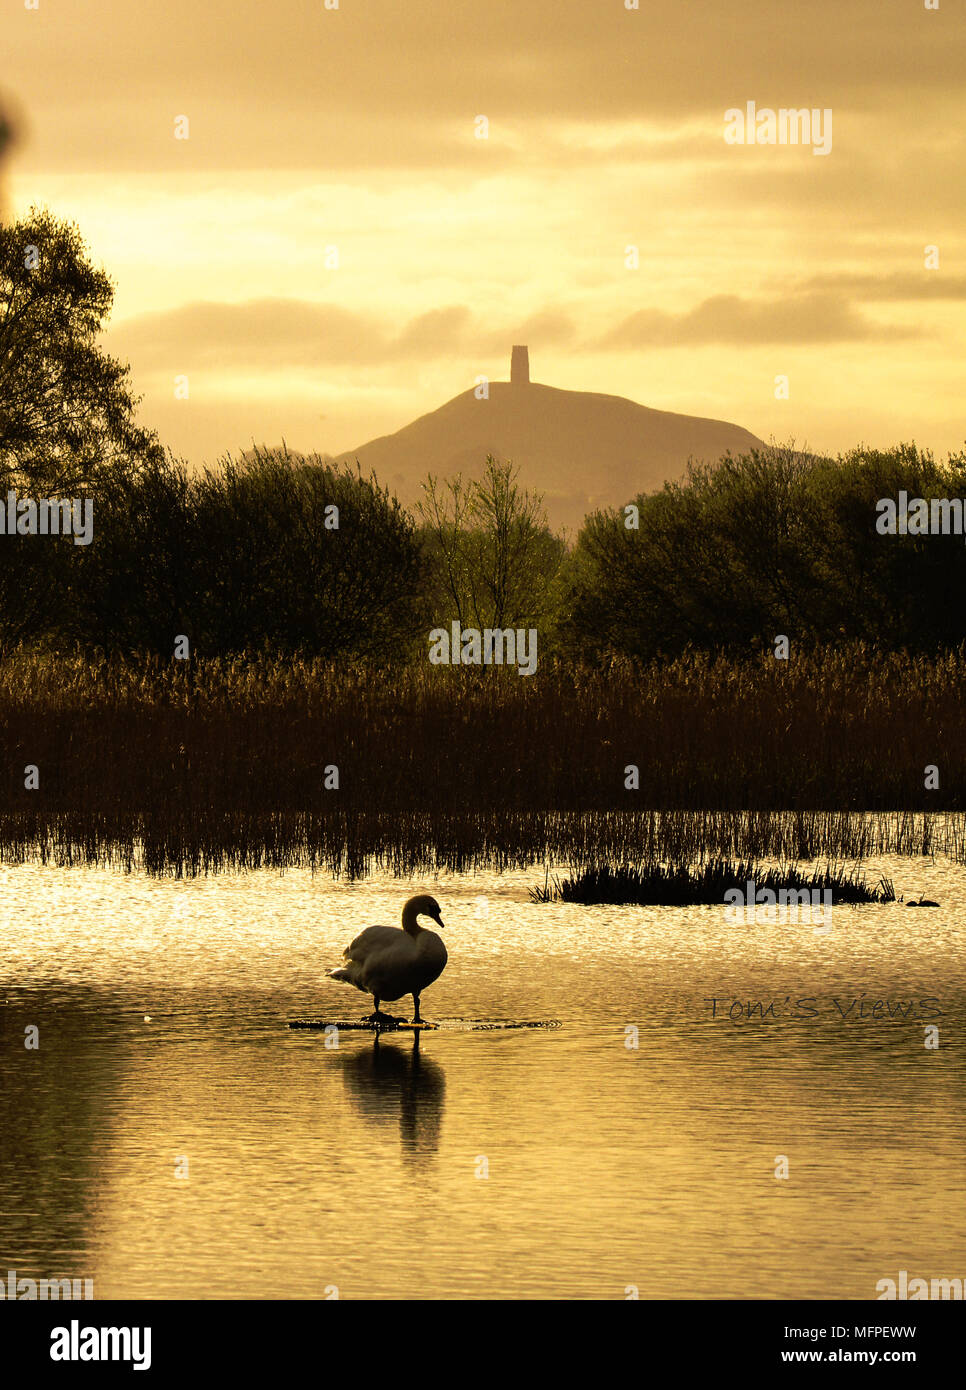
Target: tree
[(901, 590), (771, 542), (715, 562), (493, 556), (296, 555), (66, 412), (66, 408), (135, 587)]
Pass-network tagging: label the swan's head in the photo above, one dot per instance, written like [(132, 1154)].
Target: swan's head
[(423, 906)]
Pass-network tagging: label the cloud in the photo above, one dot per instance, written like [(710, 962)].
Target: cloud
[(433, 333), (545, 327), (279, 336), (281, 333), (292, 84), (896, 288), (289, 334), (727, 318)]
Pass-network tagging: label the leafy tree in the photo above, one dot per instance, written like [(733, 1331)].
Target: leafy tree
[(276, 572), (135, 587), (771, 542), (708, 558), (491, 555), (66, 413), (66, 408), (902, 591)]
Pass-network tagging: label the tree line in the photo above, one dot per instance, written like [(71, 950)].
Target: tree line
[(293, 555)]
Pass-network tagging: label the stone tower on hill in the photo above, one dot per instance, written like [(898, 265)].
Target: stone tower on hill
[(582, 450)]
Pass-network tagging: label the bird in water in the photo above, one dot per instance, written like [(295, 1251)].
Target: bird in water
[(388, 962)]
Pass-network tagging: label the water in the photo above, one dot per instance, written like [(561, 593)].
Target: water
[(162, 1010)]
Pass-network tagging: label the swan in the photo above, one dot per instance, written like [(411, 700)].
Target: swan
[(388, 962)]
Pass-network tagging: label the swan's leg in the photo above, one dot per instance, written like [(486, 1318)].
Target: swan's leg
[(416, 1018), (379, 1016)]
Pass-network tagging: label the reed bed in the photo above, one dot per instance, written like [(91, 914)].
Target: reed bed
[(679, 885), (354, 844), (194, 767)]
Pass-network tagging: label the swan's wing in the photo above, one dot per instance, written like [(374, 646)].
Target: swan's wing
[(371, 940)]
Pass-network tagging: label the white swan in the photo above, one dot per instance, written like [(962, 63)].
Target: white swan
[(388, 962)]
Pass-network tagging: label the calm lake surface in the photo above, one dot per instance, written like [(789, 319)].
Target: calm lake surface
[(162, 1009)]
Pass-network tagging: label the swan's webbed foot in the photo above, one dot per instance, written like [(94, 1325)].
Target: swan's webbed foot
[(382, 1020)]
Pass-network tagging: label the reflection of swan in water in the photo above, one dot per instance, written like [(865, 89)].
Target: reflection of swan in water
[(384, 1081), (388, 962)]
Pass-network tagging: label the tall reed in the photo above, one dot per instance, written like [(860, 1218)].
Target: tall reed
[(194, 766)]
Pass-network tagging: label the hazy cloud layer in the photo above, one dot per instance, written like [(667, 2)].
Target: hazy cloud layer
[(280, 334), (898, 288), (727, 318), (288, 82)]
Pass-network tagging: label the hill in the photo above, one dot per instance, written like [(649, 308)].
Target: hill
[(581, 449)]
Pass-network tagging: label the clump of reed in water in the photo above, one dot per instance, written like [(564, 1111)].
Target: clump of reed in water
[(660, 885)]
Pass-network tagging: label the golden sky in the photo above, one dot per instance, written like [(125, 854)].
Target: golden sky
[(356, 128)]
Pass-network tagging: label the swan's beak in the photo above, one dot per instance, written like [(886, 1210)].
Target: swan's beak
[(438, 921)]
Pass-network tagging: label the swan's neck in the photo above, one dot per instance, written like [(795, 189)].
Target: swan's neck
[(410, 921)]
